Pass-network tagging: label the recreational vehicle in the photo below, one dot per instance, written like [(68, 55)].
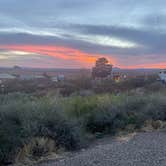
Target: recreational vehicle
[(162, 75)]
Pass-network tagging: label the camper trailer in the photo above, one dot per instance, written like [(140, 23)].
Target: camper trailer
[(162, 75)]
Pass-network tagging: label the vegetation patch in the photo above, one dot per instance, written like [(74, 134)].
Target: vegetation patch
[(38, 125)]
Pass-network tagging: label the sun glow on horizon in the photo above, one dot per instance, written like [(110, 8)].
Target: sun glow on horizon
[(64, 53), (76, 57)]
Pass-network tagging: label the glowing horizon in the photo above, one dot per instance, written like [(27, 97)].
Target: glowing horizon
[(65, 53)]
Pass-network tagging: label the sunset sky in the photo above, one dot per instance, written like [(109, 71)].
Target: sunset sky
[(74, 33)]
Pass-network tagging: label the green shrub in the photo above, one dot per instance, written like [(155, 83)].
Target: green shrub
[(22, 119), (67, 121)]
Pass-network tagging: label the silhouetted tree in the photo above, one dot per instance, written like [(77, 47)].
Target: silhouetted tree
[(102, 68)]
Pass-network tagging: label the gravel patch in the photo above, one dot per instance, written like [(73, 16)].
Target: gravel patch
[(143, 149)]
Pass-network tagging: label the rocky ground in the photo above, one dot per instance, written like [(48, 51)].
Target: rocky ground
[(142, 149)]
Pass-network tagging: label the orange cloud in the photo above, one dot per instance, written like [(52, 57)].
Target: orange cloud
[(64, 53), (77, 57)]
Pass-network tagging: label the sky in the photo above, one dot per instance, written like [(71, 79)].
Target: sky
[(74, 33)]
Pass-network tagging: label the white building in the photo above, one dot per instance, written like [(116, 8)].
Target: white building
[(162, 75)]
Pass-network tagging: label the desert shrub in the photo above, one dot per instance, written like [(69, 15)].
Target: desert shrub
[(110, 86), (104, 86), (75, 85), (67, 89), (156, 107), (52, 124), (109, 113), (67, 120), (11, 135), (22, 119), (78, 106), (99, 121), (154, 87), (94, 113), (146, 107)]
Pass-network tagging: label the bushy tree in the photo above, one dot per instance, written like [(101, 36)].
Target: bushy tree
[(102, 68)]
